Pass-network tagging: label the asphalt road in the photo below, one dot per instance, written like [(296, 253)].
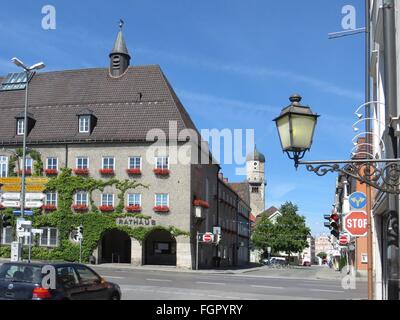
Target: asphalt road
[(159, 285)]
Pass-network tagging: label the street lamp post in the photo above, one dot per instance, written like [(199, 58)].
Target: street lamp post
[(27, 71)]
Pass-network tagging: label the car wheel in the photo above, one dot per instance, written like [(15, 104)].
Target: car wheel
[(115, 296)]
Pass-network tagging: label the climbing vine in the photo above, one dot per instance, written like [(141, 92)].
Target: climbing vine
[(15, 161), (95, 224)]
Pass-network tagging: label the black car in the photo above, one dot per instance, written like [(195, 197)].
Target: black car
[(30, 281)]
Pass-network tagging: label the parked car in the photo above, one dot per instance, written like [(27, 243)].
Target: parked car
[(23, 281), (275, 261), (306, 263)]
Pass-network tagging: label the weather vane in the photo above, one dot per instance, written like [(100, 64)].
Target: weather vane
[(121, 23)]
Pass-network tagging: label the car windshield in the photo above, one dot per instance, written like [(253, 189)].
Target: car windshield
[(20, 273)]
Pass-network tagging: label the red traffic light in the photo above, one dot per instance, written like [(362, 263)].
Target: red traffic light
[(335, 217)]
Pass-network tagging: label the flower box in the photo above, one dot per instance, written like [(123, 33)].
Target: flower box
[(161, 209), (106, 208), (51, 172), (133, 171), (49, 207), (161, 172), (133, 209), (107, 171), (27, 172), (82, 171), (201, 203), (80, 207)]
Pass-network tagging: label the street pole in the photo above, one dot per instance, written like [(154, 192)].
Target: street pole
[(24, 146), (197, 251), (80, 250)]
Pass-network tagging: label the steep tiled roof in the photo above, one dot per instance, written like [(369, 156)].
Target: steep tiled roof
[(270, 211), (126, 108)]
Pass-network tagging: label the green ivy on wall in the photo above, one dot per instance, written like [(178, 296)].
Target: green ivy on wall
[(15, 160), (95, 224)]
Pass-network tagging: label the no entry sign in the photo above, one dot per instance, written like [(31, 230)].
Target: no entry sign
[(207, 237), (343, 240), (355, 223)]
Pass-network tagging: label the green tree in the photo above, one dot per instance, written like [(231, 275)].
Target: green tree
[(290, 230), (263, 234)]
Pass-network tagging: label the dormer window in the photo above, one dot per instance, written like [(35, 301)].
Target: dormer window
[(84, 124), (20, 127)]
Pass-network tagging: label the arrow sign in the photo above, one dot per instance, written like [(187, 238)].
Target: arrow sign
[(11, 204), (358, 200), (26, 212), (11, 196), (35, 196), (33, 204)]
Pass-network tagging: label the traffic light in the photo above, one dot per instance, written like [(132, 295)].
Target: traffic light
[(5, 221), (333, 224), (80, 230)]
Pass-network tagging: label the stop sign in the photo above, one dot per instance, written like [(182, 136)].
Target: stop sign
[(355, 223), (343, 240), (207, 237)]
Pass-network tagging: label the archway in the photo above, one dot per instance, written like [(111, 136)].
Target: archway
[(115, 247), (160, 248)]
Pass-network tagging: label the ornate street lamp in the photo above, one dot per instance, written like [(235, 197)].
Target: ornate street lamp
[(296, 126)]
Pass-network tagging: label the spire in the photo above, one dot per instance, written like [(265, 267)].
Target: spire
[(255, 155), (119, 56)]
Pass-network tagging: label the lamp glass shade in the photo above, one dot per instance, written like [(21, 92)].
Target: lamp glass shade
[(302, 131), (283, 125)]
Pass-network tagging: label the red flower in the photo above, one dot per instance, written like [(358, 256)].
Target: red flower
[(161, 172), (50, 172), (82, 171), (201, 203), (80, 207), (161, 209), (107, 171), (49, 207), (133, 171), (106, 208), (135, 208)]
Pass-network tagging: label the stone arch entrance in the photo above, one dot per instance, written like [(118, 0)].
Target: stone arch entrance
[(160, 248), (115, 247)]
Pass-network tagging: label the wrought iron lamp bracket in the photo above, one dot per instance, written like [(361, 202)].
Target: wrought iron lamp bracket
[(383, 175)]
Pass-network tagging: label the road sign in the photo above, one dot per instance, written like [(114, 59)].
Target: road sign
[(208, 237), (33, 204), (343, 239), (355, 223), (358, 200), (11, 196), (35, 196), (26, 212), (11, 204)]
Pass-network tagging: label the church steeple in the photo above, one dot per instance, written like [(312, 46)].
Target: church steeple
[(119, 56)]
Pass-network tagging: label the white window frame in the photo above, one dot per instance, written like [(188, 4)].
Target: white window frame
[(82, 193), (52, 201), (47, 163), (20, 127), (4, 235), (25, 166), (140, 162), (83, 122), (134, 204), (48, 237), (108, 157), (162, 162), (112, 199), (155, 199), (80, 157), (3, 164)]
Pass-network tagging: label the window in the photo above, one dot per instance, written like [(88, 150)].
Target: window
[(51, 198), (107, 199), (162, 163), (3, 166), (135, 163), (84, 124), (20, 127), (52, 163), (7, 235), (82, 163), (162, 199), (67, 277), (81, 198), (134, 199), (108, 163), (254, 189), (28, 164), (87, 276), (49, 237)]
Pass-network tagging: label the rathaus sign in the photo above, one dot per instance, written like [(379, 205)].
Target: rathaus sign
[(132, 222)]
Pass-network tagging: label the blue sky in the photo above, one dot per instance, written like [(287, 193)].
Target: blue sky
[(233, 63)]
